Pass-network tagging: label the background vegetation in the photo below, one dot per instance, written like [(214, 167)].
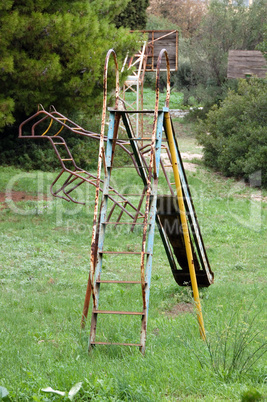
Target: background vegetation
[(234, 135), (134, 15), (53, 53), (237, 145)]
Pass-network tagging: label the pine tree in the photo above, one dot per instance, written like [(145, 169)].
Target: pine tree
[(53, 52), (134, 15)]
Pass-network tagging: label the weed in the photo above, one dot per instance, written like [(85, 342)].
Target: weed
[(236, 344), (252, 395)]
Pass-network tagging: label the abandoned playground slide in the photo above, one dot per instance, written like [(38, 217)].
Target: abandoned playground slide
[(153, 157)]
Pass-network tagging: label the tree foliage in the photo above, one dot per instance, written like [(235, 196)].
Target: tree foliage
[(134, 15), (234, 134), (155, 22), (185, 14), (225, 26), (262, 46), (53, 52)]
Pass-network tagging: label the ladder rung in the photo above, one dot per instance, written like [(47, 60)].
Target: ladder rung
[(130, 194), (110, 281), (66, 159), (59, 143), (122, 223), (141, 139), (130, 111), (118, 312), (116, 344), (118, 202), (122, 252)]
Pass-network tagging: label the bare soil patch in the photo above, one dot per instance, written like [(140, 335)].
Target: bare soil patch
[(192, 167), (189, 156), (17, 196), (181, 308)]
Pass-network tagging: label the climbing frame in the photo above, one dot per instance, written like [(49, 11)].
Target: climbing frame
[(128, 264), (193, 260)]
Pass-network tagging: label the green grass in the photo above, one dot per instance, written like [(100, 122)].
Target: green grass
[(176, 99), (44, 262)]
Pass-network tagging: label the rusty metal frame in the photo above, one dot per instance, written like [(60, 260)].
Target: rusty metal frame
[(77, 173), (150, 195), (147, 170), (135, 83), (54, 116)]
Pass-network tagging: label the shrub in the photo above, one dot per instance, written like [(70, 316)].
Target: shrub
[(184, 76), (234, 133)]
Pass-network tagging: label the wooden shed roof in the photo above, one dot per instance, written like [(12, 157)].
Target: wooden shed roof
[(246, 63)]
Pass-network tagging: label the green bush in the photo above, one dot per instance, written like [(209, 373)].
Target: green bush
[(184, 77), (234, 133)]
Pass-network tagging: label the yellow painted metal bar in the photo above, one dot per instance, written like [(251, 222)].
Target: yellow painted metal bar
[(187, 241), (61, 128), (50, 124), (48, 128)]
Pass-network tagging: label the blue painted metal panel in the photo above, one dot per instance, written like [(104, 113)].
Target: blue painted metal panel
[(153, 210)]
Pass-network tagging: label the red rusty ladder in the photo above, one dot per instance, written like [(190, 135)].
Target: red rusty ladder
[(147, 223)]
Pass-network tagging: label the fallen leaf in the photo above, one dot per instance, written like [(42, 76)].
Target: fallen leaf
[(49, 389), (74, 390)]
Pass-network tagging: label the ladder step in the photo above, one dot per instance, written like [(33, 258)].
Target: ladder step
[(143, 111), (116, 344), (118, 312), (59, 143), (117, 202), (122, 223), (140, 139), (135, 139), (110, 281), (122, 252), (67, 159)]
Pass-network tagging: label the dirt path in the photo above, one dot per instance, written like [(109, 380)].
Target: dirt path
[(191, 167)]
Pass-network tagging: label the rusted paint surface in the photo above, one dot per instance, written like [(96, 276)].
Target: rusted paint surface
[(146, 160), (100, 157), (152, 183)]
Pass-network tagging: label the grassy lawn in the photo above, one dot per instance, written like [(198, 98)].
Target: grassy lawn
[(44, 262)]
